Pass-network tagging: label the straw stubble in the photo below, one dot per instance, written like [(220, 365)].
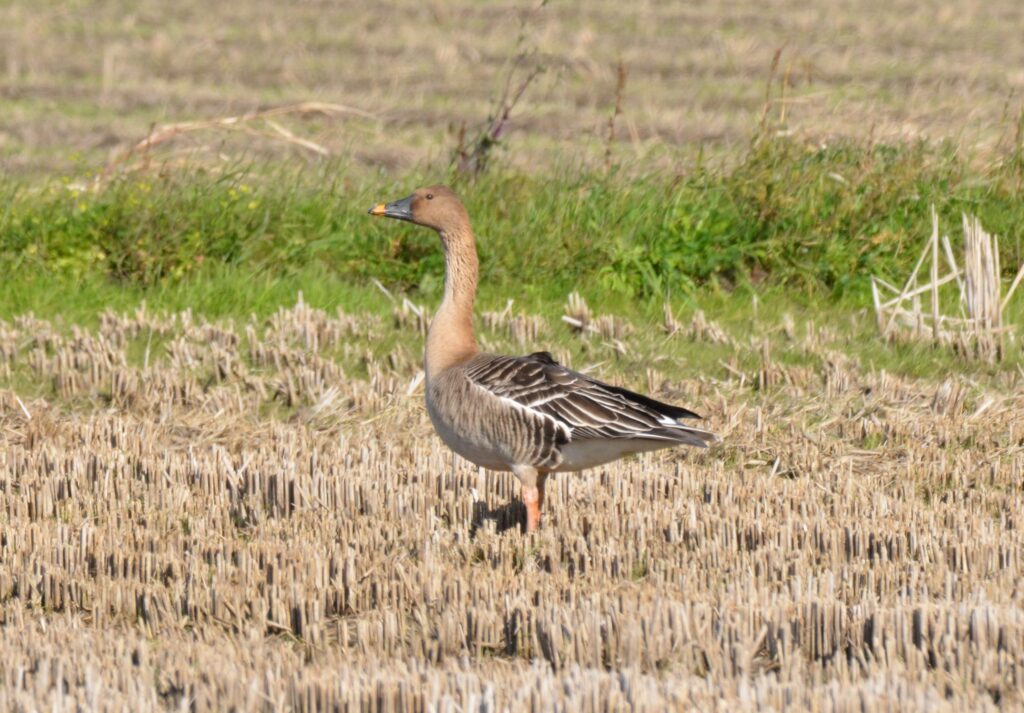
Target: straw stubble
[(259, 516)]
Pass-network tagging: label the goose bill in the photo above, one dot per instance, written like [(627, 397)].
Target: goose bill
[(399, 210)]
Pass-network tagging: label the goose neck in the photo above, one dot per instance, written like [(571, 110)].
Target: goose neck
[(451, 339)]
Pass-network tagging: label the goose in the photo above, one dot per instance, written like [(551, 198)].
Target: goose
[(525, 414)]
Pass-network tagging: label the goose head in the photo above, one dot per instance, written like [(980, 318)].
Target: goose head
[(435, 207)]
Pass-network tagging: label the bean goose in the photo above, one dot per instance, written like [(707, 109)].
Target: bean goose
[(528, 414)]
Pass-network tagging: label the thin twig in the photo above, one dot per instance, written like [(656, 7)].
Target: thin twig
[(161, 134), (935, 274)]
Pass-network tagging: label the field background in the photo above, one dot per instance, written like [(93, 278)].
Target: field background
[(80, 79), (218, 486)]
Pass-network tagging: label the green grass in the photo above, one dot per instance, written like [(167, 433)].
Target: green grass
[(215, 291), (818, 220), (801, 227), (235, 293)]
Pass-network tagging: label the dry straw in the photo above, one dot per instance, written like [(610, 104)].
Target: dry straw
[(210, 516), (978, 329), (261, 124)]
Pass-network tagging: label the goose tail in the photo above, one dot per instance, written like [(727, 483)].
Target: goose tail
[(691, 436)]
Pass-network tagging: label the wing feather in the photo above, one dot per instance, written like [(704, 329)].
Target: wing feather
[(582, 407)]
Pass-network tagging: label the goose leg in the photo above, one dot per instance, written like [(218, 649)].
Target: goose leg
[(532, 499), (532, 493)]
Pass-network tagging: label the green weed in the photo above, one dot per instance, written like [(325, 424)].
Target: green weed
[(808, 220)]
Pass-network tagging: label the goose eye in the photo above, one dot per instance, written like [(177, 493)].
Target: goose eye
[(430, 196)]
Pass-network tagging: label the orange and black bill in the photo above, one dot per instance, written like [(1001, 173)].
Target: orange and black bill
[(400, 210)]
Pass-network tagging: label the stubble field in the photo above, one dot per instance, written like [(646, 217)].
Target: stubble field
[(258, 516), (82, 80), (216, 494)]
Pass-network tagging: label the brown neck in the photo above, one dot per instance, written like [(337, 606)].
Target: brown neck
[(450, 340)]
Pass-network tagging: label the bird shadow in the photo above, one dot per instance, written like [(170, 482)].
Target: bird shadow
[(505, 517)]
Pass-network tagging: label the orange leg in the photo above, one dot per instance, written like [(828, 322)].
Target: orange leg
[(533, 498)]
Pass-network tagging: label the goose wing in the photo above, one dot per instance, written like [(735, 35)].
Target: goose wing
[(583, 408)]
